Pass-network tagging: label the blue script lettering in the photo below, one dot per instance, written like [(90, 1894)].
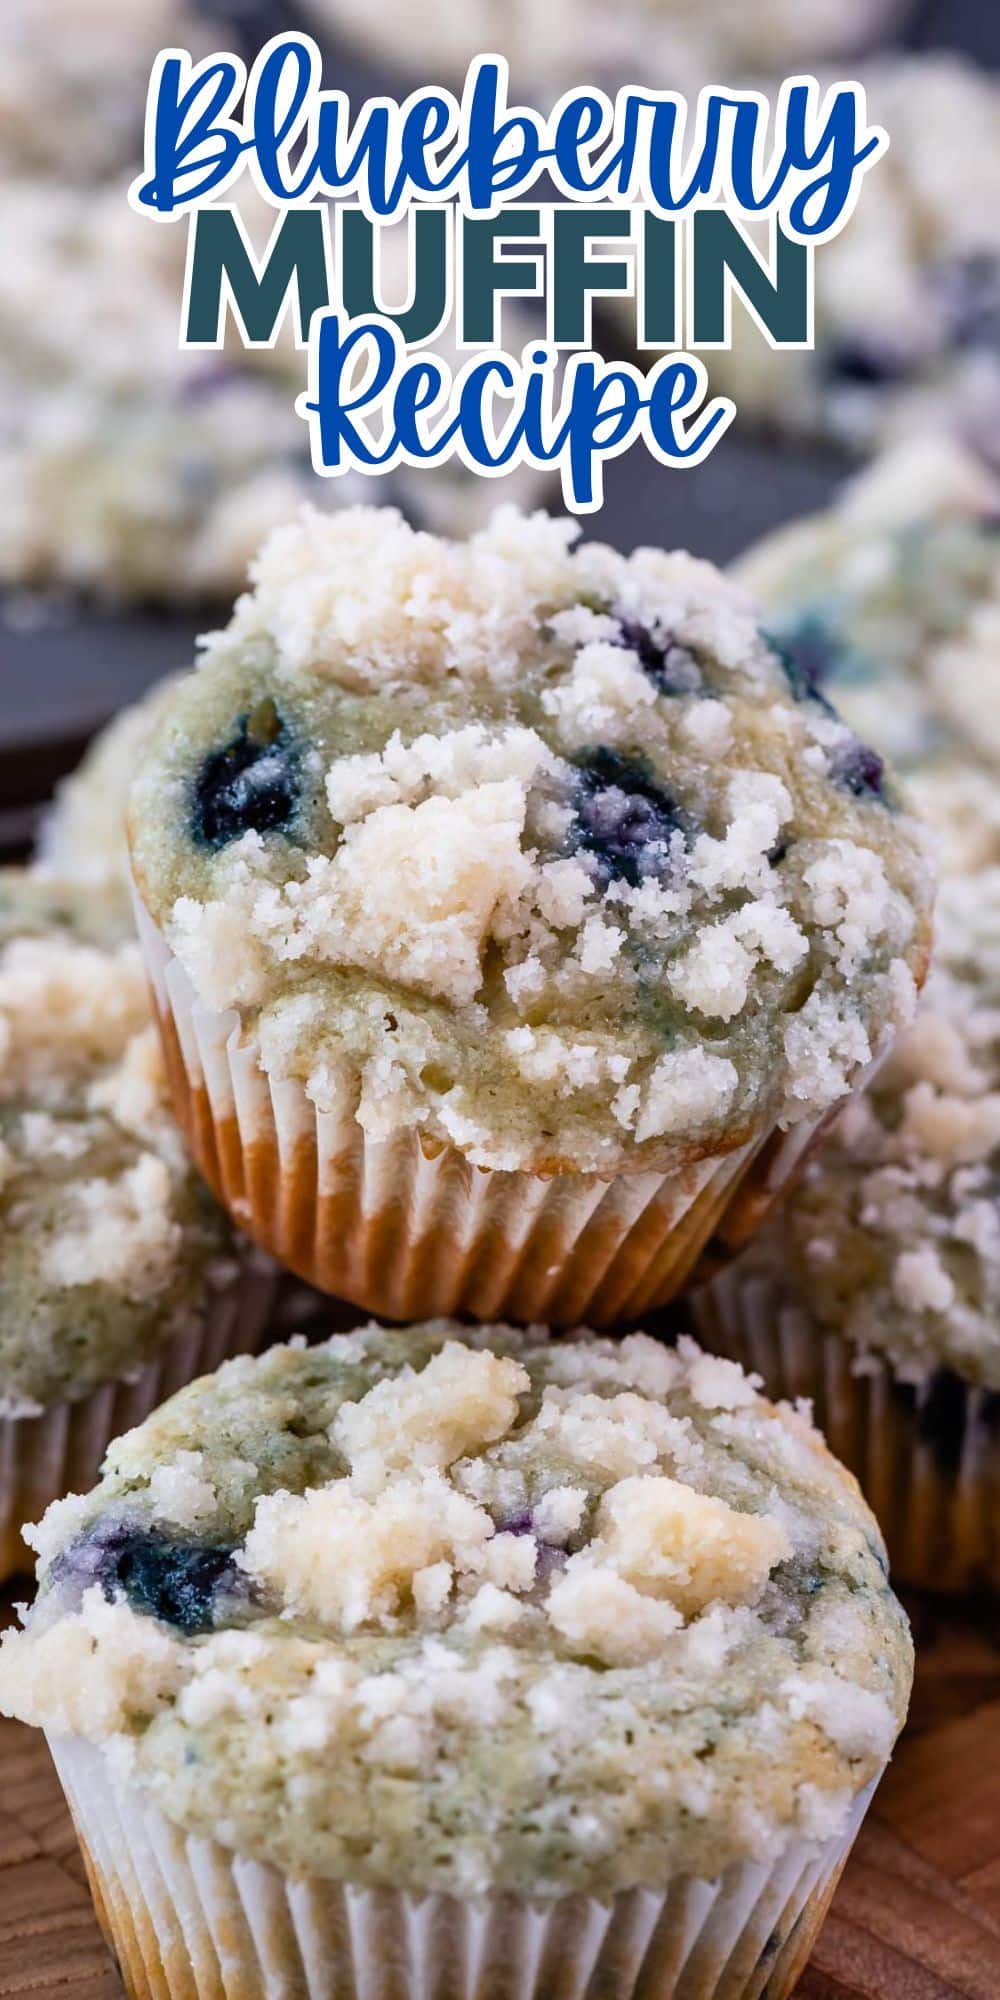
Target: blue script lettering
[(370, 407)]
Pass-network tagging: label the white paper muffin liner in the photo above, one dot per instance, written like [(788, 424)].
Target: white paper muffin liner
[(60, 1450), (187, 1919), (407, 1228), (926, 1454)]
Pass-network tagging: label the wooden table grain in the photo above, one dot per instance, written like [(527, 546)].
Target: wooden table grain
[(916, 1917)]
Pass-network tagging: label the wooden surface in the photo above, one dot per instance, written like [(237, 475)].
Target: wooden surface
[(917, 1915)]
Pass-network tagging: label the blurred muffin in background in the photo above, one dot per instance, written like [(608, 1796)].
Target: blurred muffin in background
[(889, 601), (875, 1292), (134, 470), (129, 468), (73, 77), (119, 1277), (908, 295), (675, 43)]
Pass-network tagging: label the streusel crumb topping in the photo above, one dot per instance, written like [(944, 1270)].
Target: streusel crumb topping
[(464, 1608), (542, 850)]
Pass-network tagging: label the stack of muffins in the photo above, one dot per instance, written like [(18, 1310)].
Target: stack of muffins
[(516, 916)]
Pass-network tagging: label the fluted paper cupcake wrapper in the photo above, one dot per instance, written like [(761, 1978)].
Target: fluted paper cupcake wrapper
[(60, 1450), (188, 1919), (926, 1454), (410, 1230)]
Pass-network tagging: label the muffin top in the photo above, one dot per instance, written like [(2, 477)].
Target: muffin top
[(101, 283), (893, 1236), (107, 1238), (73, 79), (128, 466), (51, 908), (890, 602), (884, 599), (960, 801), (679, 44), (546, 852), (136, 469), (462, 1609)]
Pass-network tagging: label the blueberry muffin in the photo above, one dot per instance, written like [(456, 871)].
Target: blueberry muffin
[(131, 469), (73, 79), (907, 296), (119, 1275), (559, 1642), (890, 602), (877, 1289), (569, 43), (502, 900)]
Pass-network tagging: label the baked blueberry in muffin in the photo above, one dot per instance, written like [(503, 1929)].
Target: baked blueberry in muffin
[(435, 819), (470, 1611), (519, 857)]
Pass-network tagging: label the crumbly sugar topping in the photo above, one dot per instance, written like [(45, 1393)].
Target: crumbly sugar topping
[(66, 1009), (890, 602), (107, 1238), (893, 1237), (71, 88), (473, 1609), (683, 43), (886, 600), (891, 599), (133, 469), (533, 847)]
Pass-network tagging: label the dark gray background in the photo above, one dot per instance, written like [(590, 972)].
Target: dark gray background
[(64, 672)]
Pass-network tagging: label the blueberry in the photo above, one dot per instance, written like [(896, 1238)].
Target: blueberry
[(522, 1523), (249, 786), (864, 365), (860, 769), (549, 1556), (671, 668), (624, 818), (175, 1581), (178, 1582), (811, 652)]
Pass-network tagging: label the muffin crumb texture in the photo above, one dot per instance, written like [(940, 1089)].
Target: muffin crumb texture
[(893, 1237), (542, 851), (465, 1609), (888, 603), (108, 1240)]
